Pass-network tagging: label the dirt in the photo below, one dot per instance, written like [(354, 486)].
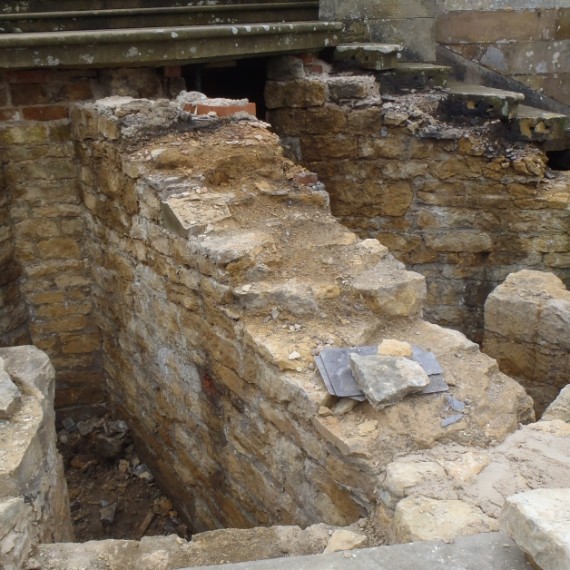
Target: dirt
[(111, 493)]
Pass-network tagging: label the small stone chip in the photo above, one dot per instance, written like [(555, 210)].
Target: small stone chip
[(392, 347)]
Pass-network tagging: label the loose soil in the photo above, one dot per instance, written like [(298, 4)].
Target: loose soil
[(111, 493)]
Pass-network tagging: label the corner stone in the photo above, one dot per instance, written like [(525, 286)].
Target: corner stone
[(538, 522)]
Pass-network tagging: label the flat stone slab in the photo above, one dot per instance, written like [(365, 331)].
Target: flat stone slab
[(375, 56), (539, 522), (478, 552), (533, 124), (465, 100), (386, 380), (412, 75)]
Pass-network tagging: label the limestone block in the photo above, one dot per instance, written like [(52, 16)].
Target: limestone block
[(386, 380), (352, 87), (560, 408), (344, 540), (16, 533), (391, 290), (298, 93), (374, 56), (285, 68), (468, 241), (421, 518), (393, 347), (538, 522)]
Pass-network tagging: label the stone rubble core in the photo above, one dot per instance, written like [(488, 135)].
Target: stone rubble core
[(527, 329), (34, 505), (218, 272)]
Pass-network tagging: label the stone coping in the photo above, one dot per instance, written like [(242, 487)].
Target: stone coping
[(162, 46)]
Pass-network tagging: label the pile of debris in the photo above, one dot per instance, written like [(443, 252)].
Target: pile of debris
[(112, 493)]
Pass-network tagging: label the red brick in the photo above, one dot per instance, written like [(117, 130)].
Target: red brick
[(9, 114), (78, 91), (25, 94), (173, 71), (221, 110), (45, 113), (29, 76)]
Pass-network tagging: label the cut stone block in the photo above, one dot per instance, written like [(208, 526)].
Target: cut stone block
[(386, 380), (368, 55), (422, 518), (466, 100), (9, 395), (352, 87), (538, 522), (414, 75), (533, 124)]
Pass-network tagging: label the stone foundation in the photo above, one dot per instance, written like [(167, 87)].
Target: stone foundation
[(460, 205), (526, 330)]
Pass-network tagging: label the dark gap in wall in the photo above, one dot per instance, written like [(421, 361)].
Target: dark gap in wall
[(559, 159), (232, 79)]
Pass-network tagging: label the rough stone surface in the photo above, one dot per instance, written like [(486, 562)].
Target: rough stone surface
[(9, 394), (387, 379), (34, 505), (420, 518), (392, 347), (526, 330), (560, 408), (538, 522), (344, 540)]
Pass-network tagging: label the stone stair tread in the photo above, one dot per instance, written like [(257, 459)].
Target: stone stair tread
[(374, 56), (158, 16), (412, 66), (527, 112), (457, 88), (372, 47), (413, 75)]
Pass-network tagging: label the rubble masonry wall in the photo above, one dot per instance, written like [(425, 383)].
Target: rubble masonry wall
[(458, 205)]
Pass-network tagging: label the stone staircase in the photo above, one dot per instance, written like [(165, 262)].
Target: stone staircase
[(463, 101), (130, 32)]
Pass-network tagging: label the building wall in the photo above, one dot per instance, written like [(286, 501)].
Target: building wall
[(528, 41)]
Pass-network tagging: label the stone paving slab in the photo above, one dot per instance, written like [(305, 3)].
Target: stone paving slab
[(479, 552)]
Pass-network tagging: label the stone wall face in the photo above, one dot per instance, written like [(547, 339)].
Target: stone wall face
[(34, 505), (45, 282), (458, 205), (410, 23), (13, 309), (528, 41), (526, 330), (218, 273)]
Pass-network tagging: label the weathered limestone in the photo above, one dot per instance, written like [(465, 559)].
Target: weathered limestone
[(33, 495), (423, 492), (387, 379), (538, 522), (10, 396), (368, 56), (457, 204), (560, 408), (526, 330)]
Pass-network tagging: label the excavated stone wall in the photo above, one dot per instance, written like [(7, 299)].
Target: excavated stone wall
[(34, 504), (45, 285), (13, 310), (218, 273), (460, 205), (526, 330), (528, 41)]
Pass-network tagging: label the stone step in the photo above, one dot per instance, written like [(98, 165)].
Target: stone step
[(476, 101), (533, 124), (163, 46), (19, 7), (374, 56), (193, 15), (413, 75)]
